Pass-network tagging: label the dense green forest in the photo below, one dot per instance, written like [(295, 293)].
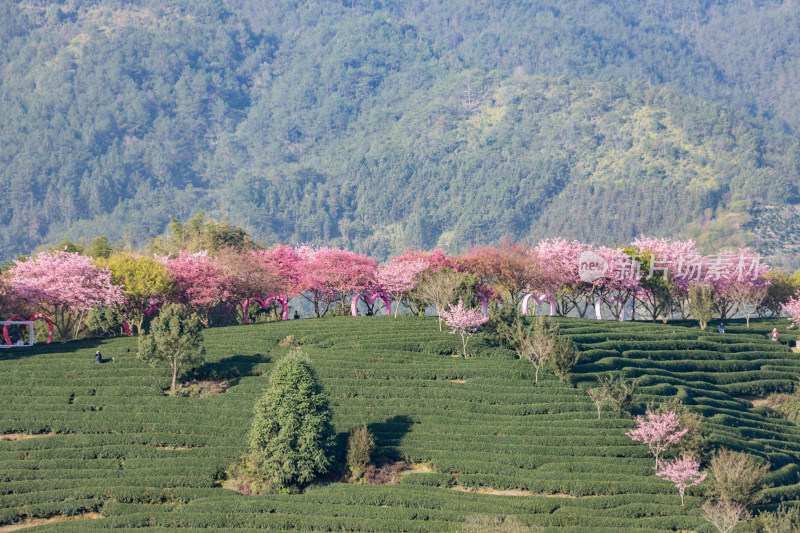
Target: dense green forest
[(380, 125)]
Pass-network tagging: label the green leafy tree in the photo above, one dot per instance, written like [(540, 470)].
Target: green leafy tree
[(782, 287), (143, 280), (175, 339), (291, 437), (701, 303), (202, 232), (99, 247), (104, 320)]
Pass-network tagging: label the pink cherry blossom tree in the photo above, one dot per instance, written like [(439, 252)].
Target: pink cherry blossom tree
[(509, 268), (397, 278), (561, 258), (658, 432), (286, 264), (792, 307), (65, 286), (200, 284), (248, 275), (439, 265), (737, 278), (464, 321), (331, 276), (8, 297), (434, 259), (684, 472)]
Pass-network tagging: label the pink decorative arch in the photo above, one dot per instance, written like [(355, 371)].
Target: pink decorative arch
[(538, 301), (283, 300), (5, 329), (371, 299), (153, 308), (37, 316)]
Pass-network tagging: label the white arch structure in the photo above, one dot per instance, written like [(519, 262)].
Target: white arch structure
[(539, 300), (609, 302)]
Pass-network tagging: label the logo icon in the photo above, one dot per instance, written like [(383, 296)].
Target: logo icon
[(591, 266)]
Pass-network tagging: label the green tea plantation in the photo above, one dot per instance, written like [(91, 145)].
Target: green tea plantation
[(102, 446)]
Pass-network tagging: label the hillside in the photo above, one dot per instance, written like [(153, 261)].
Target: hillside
[(383, 125), (107, 440)]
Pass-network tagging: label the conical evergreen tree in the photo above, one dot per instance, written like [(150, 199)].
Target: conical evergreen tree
[(291, 437)]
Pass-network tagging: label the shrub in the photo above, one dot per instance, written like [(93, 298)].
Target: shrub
[(735, 477), (563, 357), (724, 516), (360, 446), (291, 436), (290, 341), (504, 321), (784, 520), (620, 392), (495, 524), (599, 397)]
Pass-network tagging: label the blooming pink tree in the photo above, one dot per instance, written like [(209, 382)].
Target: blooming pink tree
[(8, 297), (434, 259), (658, 431), (286, 264), (684, 472), (249, 276), (65, 286), (561, 260), (200, 284), (331, 276), (397, 278), (792, 307), (464, 321), (510, 268), (737, 278)]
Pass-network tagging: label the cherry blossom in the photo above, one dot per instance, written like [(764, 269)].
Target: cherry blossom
[(464, 321), (65, 286), (658, 431), (684, 472)]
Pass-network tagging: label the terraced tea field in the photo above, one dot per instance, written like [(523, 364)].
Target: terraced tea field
[(110, 442)]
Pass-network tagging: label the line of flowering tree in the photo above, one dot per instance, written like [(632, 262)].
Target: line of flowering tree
[(649, 278)]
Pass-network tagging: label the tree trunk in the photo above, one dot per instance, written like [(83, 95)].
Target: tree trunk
[(174, 366)]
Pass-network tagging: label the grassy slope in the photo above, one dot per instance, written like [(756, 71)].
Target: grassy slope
[(144, 459)]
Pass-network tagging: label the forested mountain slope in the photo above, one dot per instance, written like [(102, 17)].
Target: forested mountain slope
[(382, 125)]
